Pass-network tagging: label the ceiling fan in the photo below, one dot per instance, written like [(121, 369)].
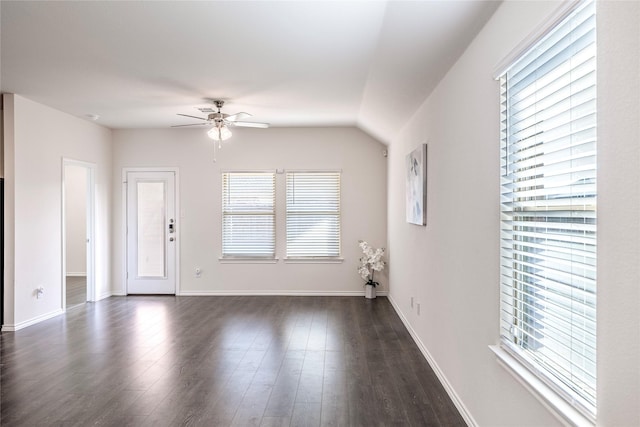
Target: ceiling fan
[(220, 122)]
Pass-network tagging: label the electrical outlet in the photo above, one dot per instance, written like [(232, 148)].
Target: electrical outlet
[(198, 272), (418, 308)]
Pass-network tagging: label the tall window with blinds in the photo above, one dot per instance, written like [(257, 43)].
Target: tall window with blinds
[(548, 206), (248, 214), (313, 214)]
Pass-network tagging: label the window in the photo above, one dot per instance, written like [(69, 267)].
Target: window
[(248, 214), (313, 214), (548, 206)]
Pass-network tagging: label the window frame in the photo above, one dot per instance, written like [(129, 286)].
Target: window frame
[(564, 401), (249, 257), (327, 259)]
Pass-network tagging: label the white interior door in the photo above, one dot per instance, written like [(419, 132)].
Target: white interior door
[(151, 233)]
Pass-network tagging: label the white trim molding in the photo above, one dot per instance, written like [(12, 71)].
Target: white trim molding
[(38, 319), (104, 295), (247, 260), (278, 293), (563, 411), (316, 260), (521, 48)]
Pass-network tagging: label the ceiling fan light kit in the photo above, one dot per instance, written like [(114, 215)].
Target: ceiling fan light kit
[(221, 133), (220, 123)]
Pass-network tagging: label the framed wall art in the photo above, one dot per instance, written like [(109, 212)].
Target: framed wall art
[(416, 165)]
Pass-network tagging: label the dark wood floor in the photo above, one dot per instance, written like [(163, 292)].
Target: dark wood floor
[(76, 290), (221, 361)]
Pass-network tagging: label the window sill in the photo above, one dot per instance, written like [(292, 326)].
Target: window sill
[(316, 260), (247, 260), (545, 394)]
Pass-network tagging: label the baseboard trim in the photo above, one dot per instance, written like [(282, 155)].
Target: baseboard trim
[(103, 296), (277, 293), (75, 274), (468, 418), (30, 322)]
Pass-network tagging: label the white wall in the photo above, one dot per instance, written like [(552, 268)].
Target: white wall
[(452, 265), (36, 140), (618, 331), (75, 193), (363, 202)]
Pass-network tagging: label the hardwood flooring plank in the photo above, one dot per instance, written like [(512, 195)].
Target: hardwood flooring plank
[(335, 407), (221, 361), (275, 422), (253, 405), (306, 414), (284, 391), (76, 290)]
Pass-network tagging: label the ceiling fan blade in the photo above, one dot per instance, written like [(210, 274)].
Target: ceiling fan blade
[(193, 117), (192, 124), (236, 116), (249, 124)]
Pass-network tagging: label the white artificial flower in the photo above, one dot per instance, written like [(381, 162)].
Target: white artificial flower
[(378, 266), (371, 261)]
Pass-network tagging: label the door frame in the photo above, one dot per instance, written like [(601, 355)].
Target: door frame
[(125, 258), (91, 229)]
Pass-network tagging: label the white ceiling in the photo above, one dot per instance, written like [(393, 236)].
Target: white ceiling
[(299, 63)]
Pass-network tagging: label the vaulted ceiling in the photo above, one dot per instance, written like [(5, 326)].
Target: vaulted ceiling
[(291, 63)]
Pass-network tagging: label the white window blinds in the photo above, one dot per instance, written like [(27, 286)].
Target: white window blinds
[(313, 214), (248, 214), (548, 205)]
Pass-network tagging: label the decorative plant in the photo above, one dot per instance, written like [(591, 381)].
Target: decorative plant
[(370, 262)]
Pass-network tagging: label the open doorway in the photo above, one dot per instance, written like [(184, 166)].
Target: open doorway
[(78, 276)]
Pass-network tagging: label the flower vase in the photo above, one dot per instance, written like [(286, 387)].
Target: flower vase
[(369, 291)]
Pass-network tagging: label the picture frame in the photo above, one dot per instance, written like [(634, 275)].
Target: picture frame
[(416, 186)]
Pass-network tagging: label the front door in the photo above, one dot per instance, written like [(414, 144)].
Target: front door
[(151, 233)]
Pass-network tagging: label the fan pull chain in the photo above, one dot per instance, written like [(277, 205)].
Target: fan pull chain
[(216, 148)]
